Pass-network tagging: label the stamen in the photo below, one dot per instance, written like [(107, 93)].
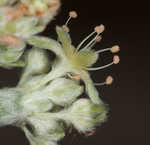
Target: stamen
[(99, 68), (100, 84), (95, 40), (90, 43), (115, 61), (91, 133), (115, 49), (66, 28), (77, 77), (108, 81), (99, 29), (82, 42), (103, 50), (68, 21), (72, 14), (98, 39)]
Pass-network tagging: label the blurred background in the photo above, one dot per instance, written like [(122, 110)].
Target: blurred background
[(127, 25)]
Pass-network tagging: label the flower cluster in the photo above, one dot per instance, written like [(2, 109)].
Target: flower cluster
[(19, 20), (47, 96)]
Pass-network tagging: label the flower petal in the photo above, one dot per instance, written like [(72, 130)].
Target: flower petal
[(65, 40), (90, 88), (84, 59), (46, 43)]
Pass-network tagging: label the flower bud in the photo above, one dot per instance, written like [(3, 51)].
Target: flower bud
[(38, 140), (60, 92), (63, 91), (85, 115), (46, 127)]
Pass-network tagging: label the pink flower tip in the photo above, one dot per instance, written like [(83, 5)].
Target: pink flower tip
[(73, 14), (116, 59), (99, 29), (109, 80), (65, 28), (115, 49)]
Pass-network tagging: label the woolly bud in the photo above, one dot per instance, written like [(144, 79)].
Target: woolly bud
[(109, 80), (99, 29), (46, 127), (116, 59), (73, 14), (115, 49), (84, 115)]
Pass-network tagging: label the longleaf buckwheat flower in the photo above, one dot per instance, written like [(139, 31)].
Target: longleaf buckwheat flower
[(75, 60)]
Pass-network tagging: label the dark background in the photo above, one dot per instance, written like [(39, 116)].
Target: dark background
[(127, 24)]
